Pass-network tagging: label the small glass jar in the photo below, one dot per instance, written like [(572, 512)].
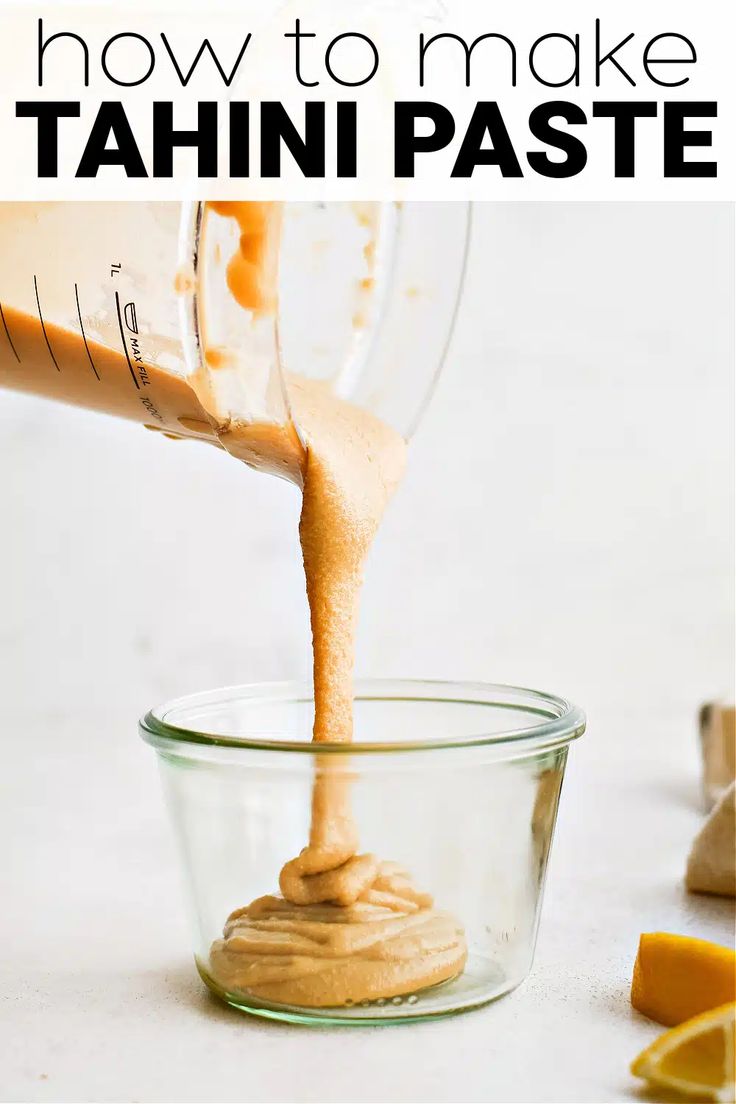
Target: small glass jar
[(458, 783)]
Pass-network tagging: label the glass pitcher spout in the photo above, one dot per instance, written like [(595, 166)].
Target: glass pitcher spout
[(366, 302)]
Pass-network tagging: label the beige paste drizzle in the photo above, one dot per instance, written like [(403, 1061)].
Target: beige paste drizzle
[(348, 927)]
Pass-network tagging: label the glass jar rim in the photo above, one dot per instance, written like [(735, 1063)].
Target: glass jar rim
[(560, 721)]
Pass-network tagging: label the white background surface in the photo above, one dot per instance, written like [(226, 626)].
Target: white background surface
[(566, 523)]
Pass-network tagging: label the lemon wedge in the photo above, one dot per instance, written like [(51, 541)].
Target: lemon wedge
[(696, 1058), (677, 977)]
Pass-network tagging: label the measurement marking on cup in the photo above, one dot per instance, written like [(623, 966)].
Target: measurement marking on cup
[(122, 338), (43, 325), (7, 334), (84, 336)]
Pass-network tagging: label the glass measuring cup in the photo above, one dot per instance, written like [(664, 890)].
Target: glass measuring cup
[(112, 307)]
